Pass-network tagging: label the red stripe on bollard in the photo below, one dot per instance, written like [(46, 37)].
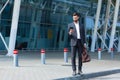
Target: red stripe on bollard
[(15, 51), (65, 49), (112, 49), (42, 51), (99, 49)]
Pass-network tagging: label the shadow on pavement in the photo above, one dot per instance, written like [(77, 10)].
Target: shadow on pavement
[(92, 75)]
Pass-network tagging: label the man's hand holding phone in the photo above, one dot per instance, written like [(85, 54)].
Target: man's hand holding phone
[(71, 30)]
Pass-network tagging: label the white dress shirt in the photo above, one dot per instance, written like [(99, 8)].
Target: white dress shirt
[(77, 29)]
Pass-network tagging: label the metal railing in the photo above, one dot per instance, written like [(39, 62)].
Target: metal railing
[(4, 6)]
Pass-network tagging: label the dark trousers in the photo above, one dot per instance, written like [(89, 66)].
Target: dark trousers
[(74, 50)]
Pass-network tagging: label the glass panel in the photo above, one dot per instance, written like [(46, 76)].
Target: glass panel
[(51, 16)]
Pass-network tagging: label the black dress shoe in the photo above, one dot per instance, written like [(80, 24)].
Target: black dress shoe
[(80, 72), (74, 73)]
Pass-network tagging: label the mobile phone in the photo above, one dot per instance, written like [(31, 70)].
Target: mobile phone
[(71, 27)]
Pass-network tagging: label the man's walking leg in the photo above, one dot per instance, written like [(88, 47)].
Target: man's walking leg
[(73, 60)]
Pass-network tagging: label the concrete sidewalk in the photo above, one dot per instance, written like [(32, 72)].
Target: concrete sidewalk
[(30, 67)]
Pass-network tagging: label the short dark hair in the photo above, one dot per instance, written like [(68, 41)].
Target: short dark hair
[(76, 14)]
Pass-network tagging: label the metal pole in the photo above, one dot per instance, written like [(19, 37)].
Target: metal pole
[(15, 58), (14, 26), (4, 7), (4, 41), (0, 14), (32, 28), (119, 45), (106, 21), (42, 56), (99, 53), (102, 40), (66, 55), (114, 24), (111, 53), (94, 36)]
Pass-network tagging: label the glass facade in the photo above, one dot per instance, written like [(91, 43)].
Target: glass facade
[(42, 23)]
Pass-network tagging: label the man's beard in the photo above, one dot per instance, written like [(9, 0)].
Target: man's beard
[(75, 20)]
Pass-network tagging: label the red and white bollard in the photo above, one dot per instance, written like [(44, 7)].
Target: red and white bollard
[(112, 55), (42, 56), (66, 55), (99, 53), (15, 58)]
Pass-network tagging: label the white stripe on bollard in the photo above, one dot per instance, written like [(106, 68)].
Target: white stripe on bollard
[(15, 58), (66, 55), (42, 56), (99, 53)]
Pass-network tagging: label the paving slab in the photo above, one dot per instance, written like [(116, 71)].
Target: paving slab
[(30, 67)]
